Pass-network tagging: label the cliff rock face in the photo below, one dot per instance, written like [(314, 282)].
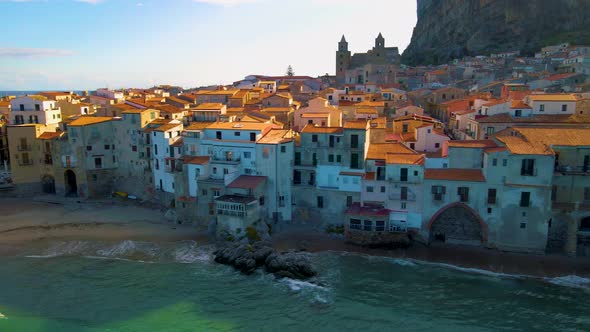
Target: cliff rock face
[(448, 29)]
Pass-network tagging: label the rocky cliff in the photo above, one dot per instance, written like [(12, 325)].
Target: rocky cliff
[(448, 29)]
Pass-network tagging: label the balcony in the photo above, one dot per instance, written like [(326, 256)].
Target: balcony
[(226, 161), (69, 164), (24, 147), (409, 197), (572, 170)]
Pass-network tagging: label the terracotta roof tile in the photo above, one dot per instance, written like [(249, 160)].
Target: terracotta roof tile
[(247, 182), (88, 120), (197, 160), (311, 129), (454, 174)]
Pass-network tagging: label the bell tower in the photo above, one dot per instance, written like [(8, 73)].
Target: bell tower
[(342, 60)]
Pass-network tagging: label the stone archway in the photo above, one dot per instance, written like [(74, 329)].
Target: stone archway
[(71, 183), (48, 184), (458, 224)]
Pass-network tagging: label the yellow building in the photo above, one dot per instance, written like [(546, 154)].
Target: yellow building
[(31, 161)]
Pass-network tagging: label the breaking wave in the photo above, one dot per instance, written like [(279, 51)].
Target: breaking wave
[(570, 281), (134, 251)]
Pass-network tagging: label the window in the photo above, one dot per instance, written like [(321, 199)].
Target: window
[(247, 155), (404, 193), (494, 162), (355, 224), (97, 162), (587, 193), (564, 108), (134, 148), (525, 199), (37, 107), (338, 158), (225, 171), (541, 108), (504, 162), (89, 148), (438, 192), (527, 167), (429, 131), (214, 170), (463, 193), (156, 148), (310, 122), (403, 176), (331, 158), (237, 133), (489, 210), (252, 137), (320, 201), (218, 135), (107, 147), (382, 189), (404, 128), (261, 201), (297, 158), (380, 226), (403, 205), (491, 196), (348, 201), (216, 193), (412, 146), (368, 225), (517, 113), (314, 138), (436, 145), (523, 225), (204, 192), (265, 152), (369, 189), (283, 149), (354, 141), (490, 131), (281, 201)]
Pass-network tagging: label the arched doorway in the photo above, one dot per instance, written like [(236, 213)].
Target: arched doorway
[(48, 184), (585, 225), (457, 224), (71, 184)]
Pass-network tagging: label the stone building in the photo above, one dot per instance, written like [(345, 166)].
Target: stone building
[(375, 65)]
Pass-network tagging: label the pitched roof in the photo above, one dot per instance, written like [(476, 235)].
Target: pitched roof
[(311, 129), (276, 136), (167, 127), (553, 97), (50, 135), (88, 120), (379, 151), (209, 106), (247, 182), (198, 125), (356, 124), (483, 144), (405, 158), (454, 174), (197, 160), (241, 126)]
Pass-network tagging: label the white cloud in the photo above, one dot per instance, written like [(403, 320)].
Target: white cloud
[(16, 52)]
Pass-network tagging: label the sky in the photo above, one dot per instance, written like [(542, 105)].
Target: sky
[(88, 44)]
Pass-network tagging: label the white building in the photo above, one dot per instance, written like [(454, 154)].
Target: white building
[(34, 109), (166, 154)]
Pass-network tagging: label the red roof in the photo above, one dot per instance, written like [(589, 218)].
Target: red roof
[(454, 174), (357, 209), (247, 182)]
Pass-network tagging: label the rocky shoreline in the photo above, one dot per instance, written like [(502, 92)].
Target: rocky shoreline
[(247, 258)]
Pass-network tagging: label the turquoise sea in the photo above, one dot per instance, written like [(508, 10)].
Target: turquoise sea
[(134, 286)]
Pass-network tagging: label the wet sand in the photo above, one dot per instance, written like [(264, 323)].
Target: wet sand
[(26, 224)]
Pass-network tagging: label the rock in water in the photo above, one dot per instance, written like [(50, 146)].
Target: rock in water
[(294, 265)]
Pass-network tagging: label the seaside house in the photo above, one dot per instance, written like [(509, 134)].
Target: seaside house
[(35, 109)]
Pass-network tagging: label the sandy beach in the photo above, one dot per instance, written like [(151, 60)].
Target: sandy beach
[(27, 224)]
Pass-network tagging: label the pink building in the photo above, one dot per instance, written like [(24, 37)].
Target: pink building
[(318, 112)]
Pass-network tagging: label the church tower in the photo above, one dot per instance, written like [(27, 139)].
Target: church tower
[(342, 60), (379, 42)]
